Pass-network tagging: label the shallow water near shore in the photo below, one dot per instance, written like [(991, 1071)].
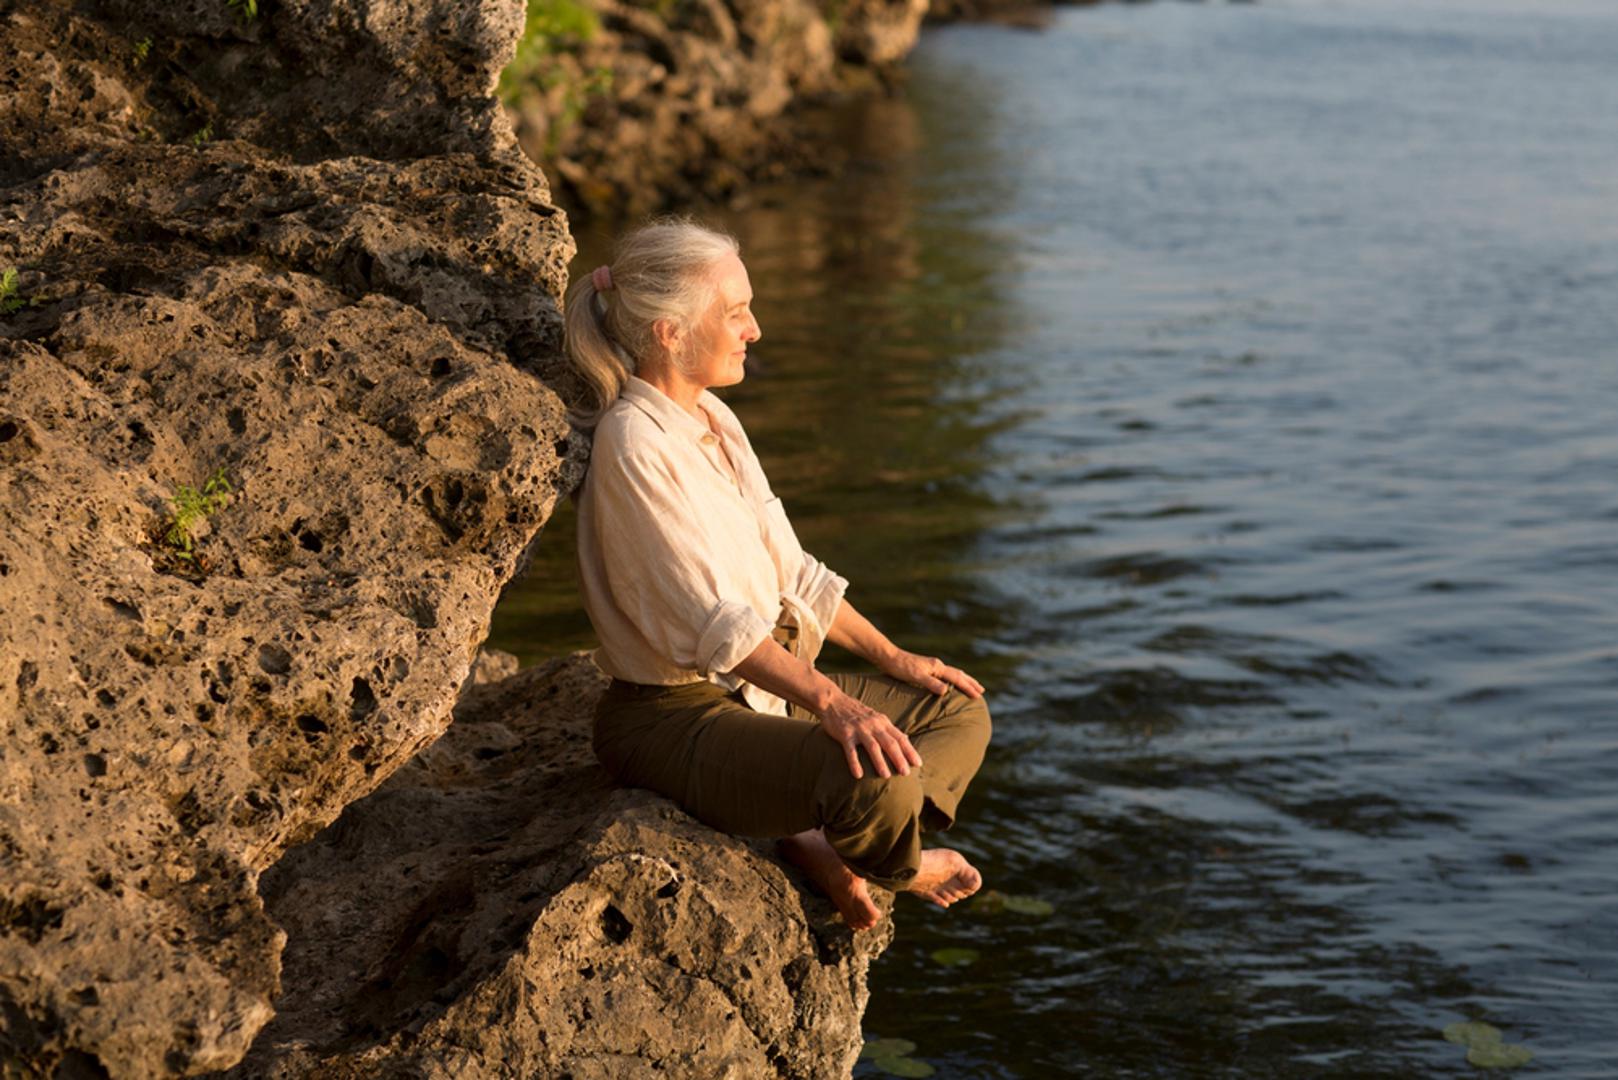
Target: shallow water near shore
[(1233, 390)]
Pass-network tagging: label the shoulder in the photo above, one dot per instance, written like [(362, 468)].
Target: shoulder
[(628, 442), (626, 430)]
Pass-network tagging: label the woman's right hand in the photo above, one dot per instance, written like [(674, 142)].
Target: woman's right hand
[(852, 724)]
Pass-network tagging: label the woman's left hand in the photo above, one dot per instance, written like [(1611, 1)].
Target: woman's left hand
[(930, 673)]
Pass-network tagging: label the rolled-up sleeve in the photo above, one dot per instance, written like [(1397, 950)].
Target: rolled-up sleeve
[(821, 589), (666, 571)]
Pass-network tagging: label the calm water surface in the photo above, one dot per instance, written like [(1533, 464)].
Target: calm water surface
[(1235, 391)]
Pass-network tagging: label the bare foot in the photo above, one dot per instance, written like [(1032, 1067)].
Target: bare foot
[(811, 853), (944, 877)]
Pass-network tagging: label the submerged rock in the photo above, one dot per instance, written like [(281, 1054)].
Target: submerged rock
[(302, 252)]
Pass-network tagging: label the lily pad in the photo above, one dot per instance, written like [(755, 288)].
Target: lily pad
[(1499, 1056), (1030, 905), (955, 957), (993, 902), (1473, 1033), (881, 1048), (1486, 1048), (898, 1065), (989, 902)]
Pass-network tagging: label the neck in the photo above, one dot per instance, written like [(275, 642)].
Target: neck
[(675, 386)]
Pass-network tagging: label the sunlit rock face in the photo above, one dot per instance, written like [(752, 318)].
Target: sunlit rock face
[(340, 295), (303, 253), (644, 104)]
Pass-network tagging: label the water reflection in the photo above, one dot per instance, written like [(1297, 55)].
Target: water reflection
[(1271, 498)]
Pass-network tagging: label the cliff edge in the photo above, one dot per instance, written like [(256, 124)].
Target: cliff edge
[(279, 417)]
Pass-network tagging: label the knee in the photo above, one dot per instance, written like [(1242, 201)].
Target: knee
[(973, 715), (872, 798)]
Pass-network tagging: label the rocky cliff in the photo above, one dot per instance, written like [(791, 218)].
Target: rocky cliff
[(633, 105), (293, 248)]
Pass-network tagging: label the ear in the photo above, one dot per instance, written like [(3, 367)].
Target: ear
[(668, 335)]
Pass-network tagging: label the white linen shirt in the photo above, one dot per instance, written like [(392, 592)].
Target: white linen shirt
[(685, 569)]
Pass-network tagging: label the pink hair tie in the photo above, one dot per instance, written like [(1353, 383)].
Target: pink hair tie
[(601, 276)]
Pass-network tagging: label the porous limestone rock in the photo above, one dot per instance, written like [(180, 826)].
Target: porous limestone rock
[(304, 253), (697, 99), (341, 298), (497, 908)]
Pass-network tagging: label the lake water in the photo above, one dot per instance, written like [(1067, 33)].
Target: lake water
[(1234, 389)]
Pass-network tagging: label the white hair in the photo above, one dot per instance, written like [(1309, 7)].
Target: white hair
[(660, 272)]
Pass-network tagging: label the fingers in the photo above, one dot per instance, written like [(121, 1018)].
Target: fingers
[(888, 748), (879, 761), (899, 750), (853, 757), (958, 678), (883, 746), (910, 752), (933, 675), (972, 687)]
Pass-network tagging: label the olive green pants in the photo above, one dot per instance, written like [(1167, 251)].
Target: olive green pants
[(755, 774)]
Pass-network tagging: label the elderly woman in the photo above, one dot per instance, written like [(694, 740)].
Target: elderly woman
[(710, 615)]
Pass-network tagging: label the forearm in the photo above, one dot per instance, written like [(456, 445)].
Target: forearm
[(772, 668), (854, 632), (845, 720)]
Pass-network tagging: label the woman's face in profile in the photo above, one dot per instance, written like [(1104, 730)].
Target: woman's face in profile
[(719, 339)]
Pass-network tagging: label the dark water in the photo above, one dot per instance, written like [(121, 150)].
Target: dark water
[(1235, 391)]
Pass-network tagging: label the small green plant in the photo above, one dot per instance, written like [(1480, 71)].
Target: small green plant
[(202, 134), (189, 506), (550, 28), (9, 300), (246, 9), (575, 98), (142, 47), (835, 10)]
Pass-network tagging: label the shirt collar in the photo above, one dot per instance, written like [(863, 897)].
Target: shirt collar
[(664, 412)]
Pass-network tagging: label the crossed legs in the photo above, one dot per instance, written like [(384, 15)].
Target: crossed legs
[(754, 774)]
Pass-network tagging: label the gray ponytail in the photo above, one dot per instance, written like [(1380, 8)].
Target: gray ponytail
[(659, 271)]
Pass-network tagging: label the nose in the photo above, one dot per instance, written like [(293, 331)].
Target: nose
[(752, 333)]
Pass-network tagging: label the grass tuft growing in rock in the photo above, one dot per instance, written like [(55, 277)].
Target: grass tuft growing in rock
[(187, 507), (11, 298)]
